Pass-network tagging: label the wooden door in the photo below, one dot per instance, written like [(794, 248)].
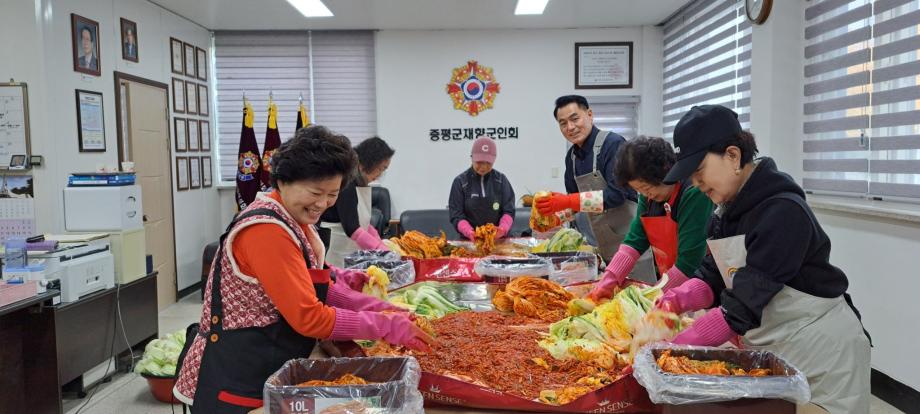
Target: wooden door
[(147, 144)]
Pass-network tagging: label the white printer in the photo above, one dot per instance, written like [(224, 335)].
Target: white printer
[(83, 266)]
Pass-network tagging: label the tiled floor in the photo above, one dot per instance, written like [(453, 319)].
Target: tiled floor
[(128, 393)]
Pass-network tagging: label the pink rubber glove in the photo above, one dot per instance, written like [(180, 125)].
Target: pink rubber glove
[(466, 229), (504, 226), (396, 329), (353, 278), (342, 296), (366, 240), (709, 330), (615, 273), (691, 295), (675, 279)]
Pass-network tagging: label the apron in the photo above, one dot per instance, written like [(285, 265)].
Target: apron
[(610, 227), (661, 232), (340, 245), (480, 210), (236, 363), (819, 336)]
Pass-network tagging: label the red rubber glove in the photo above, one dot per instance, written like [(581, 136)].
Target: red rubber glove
[(615, 273), (710, 329), (504, 226), (342, 296), (551, 204), (395, 328), (466, 229), (691, 295)]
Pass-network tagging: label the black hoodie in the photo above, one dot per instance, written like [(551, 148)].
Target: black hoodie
[(785, 247)]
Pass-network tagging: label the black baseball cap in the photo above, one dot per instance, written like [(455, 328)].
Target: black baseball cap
[(700, 128)]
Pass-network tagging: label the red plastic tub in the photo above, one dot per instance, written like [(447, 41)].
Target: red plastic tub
[(161, 388)]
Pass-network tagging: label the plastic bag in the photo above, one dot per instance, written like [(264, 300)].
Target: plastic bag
[(787, 383), (572, 267), (509, 267), (400, 272), (394, 389), (362, 256)]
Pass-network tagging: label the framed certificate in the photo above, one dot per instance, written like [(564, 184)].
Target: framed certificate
[(201, 58), (90, 123), (181, 173), (190, 65), (604, 65), (178, 87), (206, 173), (202, 100), (194, 170), (191, 98), (175, 55), (180, 133), (194, 138), (205, 131)]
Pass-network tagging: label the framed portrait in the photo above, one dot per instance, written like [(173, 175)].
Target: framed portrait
[(206, 173), (86, 50), (604, 65), (180, 132), (178, 87), (90, 122), (175, 55), (194, 135), (201, 58), (190, 65), (191, 98), (194, 170), (203, 100), (129, 40), (204, 128), (181, 173)]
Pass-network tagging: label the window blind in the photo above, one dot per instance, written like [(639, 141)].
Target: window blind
[(619, 117), (862, 123), (707, 60), (340, 94)]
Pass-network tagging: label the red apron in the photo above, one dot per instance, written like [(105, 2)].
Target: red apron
[(661, 232)]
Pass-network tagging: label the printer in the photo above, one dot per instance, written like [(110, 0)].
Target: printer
[(82, 266)]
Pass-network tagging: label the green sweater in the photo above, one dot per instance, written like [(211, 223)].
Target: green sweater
[(692, 213)]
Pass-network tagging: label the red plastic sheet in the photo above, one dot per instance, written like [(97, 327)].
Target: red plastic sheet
[(447, 269)]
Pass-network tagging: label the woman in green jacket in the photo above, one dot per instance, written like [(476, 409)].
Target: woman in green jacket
[(671, 218)]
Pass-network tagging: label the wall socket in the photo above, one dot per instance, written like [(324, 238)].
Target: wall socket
[(554, 172)]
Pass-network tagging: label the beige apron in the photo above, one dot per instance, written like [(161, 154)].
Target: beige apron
[(610, 227), (340, 245), (821, 337)]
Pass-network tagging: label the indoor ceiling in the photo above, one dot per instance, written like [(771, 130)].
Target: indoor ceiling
[(420, 14)]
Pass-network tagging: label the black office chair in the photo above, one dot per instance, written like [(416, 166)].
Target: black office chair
[(521, 225), (381, 210), (429, 222)]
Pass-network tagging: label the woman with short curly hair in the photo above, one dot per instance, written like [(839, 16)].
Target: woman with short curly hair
[(671, 218)]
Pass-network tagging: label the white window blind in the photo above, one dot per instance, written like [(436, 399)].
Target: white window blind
[(707, 60), (259, 63), (619, 117), (862, 123)]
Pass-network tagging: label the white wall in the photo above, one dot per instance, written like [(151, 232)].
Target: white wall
[(874, 252), (42, 57), (534, 67)]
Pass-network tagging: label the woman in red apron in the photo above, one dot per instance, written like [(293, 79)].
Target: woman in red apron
[(671, 218), (270, 297)]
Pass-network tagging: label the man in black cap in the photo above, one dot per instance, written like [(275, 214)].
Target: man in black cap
[(768, 277)]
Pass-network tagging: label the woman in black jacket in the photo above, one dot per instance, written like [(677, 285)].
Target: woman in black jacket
[(768, 277)]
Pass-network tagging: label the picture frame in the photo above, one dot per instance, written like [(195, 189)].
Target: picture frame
[(201, 61), (194, 170), (176, 57), (85, 44), (178, 87), (206, 172), (180, 134), (203, 100), (191, 98), (604, 65), (189, 60), (205, 131), (129, 41), (182, 174), (194, 135), (90, 121)]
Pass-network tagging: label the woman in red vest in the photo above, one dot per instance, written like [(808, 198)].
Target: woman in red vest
[(270, 296)]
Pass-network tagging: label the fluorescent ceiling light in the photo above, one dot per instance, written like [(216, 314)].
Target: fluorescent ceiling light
[(528, 6), (311, 8)]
